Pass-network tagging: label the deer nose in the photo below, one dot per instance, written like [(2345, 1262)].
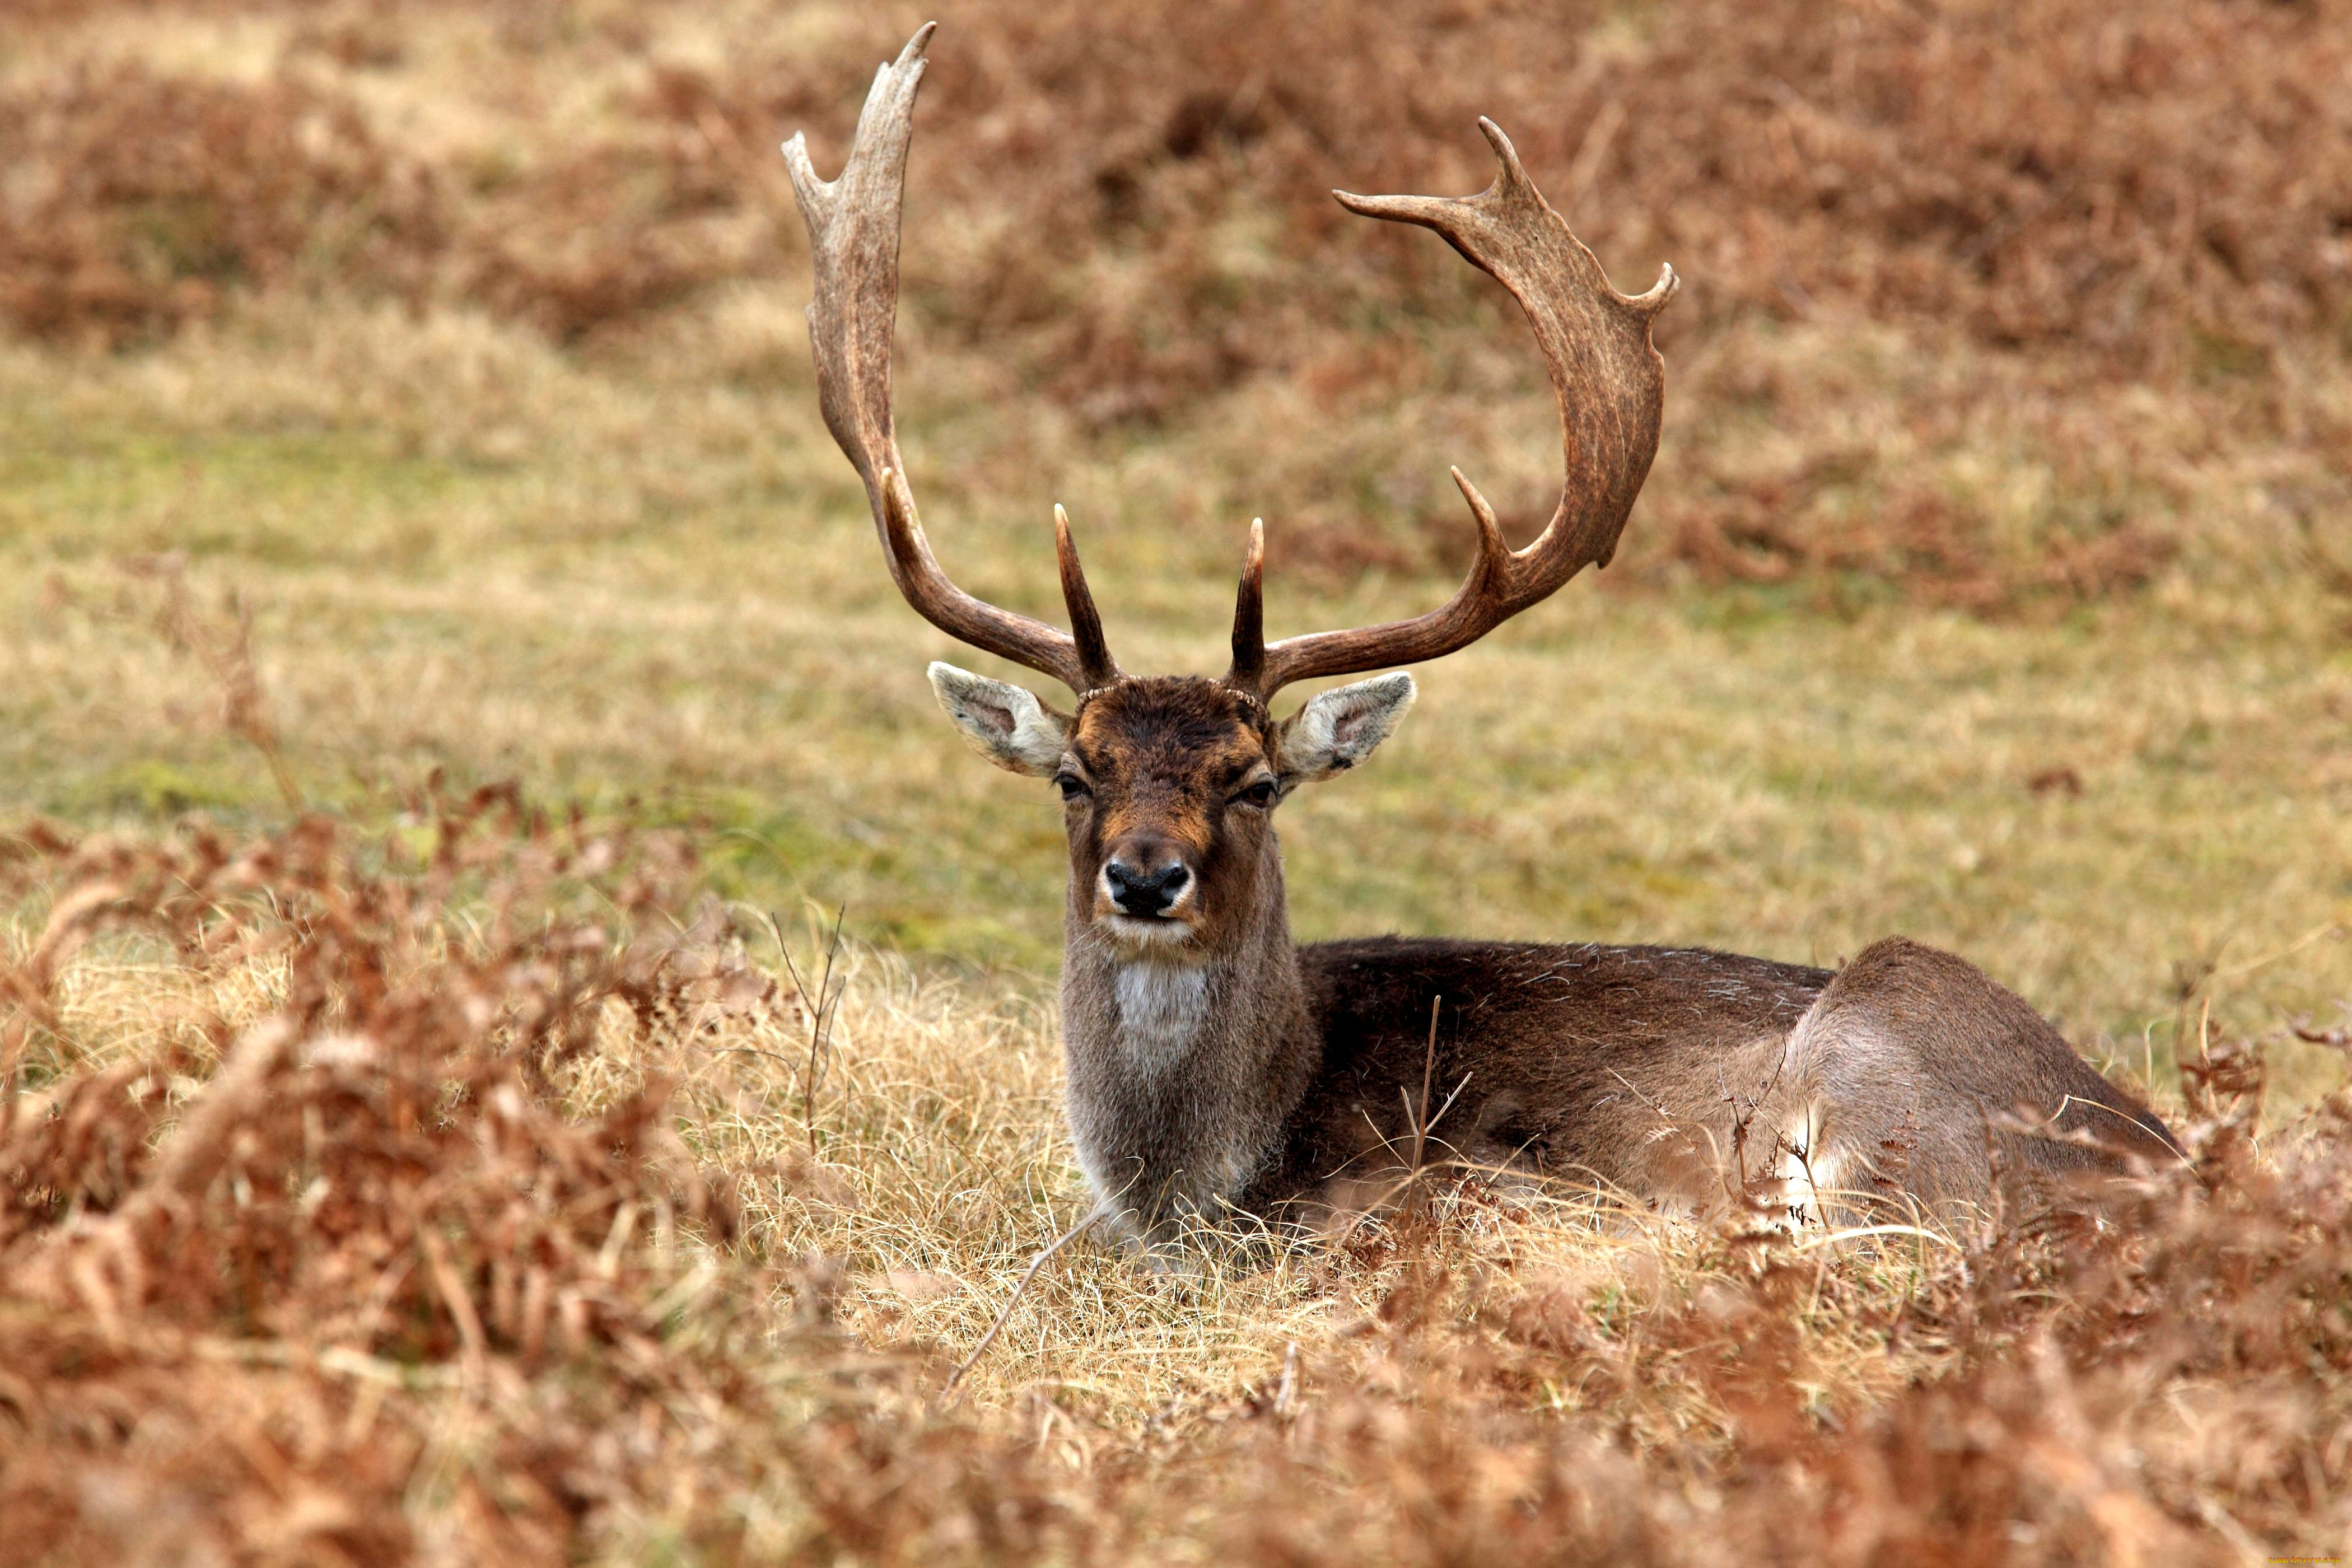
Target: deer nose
[(1146, 893)]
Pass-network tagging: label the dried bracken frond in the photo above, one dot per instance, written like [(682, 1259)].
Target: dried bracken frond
[(376, 1180), (1129, 216), (138, 203), (446, 1244)]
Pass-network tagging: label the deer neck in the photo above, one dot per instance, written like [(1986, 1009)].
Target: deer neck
[(1182, 1069)]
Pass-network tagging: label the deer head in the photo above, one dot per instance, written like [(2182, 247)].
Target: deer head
[(1169, 782)]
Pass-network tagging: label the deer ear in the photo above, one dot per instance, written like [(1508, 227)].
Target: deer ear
[(1340, 728), (1002, 721)]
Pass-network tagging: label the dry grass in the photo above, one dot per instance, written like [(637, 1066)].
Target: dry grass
[(431, 377), (373, 1203), (619, 582)]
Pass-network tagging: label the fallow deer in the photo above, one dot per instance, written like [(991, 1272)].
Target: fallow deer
[(1216, 1066)]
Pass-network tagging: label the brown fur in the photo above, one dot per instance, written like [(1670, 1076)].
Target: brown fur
[(1232, 1069), (1162, 759)]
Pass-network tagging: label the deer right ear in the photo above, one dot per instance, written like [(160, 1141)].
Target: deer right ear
[(1002, 721)]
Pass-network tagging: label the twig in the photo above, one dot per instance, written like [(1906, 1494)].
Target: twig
[(754, 1051), (1805, 1163), (821, 1027), (225, 648), (1854, 1232), (2320, 932), (1428, 1067), (821, 1010), (453, 1295), (1421, 1121), (1404, 1188), (2339, 1039), (1006, 1316)]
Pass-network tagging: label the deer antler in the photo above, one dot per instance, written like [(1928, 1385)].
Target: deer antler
[(1611, 384), (853, 224)]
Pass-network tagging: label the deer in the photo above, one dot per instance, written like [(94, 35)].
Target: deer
[(1219, 1072)]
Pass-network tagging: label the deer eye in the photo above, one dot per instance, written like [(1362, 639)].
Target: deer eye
[(1260, 795), (1072, 787)]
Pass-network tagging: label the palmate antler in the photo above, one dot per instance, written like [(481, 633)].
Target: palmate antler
[(1595, 342), (853, 224), (1611, 387)]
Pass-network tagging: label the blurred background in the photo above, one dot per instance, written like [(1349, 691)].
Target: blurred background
[(392, 389)]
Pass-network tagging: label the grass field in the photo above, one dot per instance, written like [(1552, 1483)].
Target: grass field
[(2002, 636), (662, 599)]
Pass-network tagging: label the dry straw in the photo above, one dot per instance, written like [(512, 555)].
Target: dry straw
[(446, 1198)]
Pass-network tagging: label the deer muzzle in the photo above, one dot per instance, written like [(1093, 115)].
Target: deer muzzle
[(1146, 879)]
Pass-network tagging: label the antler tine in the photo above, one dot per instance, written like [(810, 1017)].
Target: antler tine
[(1086, 621), (852, 223), (1249, 614), (1611, 385)]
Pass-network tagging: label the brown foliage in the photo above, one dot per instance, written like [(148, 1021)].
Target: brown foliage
[(2045, 1441), (2161, 188), (1933, 548), (617, 229), (135, 202), (2150, 187), (375, 1288), (376, 1172), (1126, 204)]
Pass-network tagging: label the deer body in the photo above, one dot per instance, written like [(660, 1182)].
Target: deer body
[(1242, 1074), (1216, 1066), (1696, 1079), (1589, 1063)]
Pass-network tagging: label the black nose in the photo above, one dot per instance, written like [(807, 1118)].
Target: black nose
[(1145, 893)]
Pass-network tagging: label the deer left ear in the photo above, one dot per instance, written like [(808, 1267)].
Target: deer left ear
[(1340, 728)]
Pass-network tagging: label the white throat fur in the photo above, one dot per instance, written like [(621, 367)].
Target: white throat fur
[(1162, 1008)]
